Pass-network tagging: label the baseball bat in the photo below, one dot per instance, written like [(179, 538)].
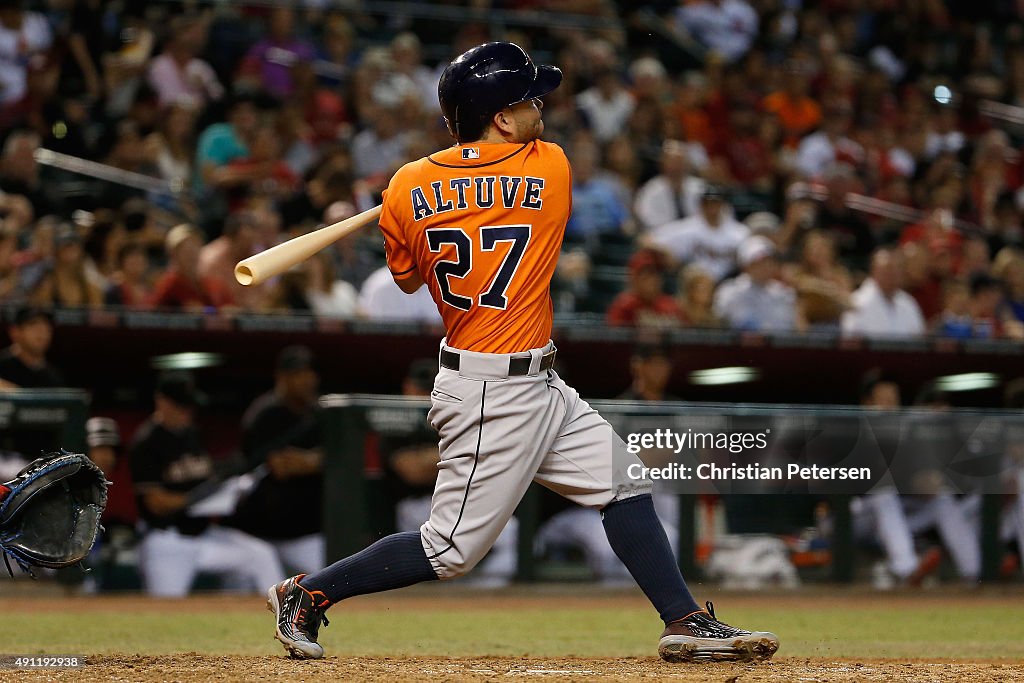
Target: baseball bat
[(274, 261)]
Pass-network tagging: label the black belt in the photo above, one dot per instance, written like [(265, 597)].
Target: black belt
[(516, 366)]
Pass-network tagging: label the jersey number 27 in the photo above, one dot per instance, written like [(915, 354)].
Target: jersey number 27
[(494, 297)]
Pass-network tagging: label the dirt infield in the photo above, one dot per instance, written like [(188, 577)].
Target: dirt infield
[(193, 667), (829, 635)]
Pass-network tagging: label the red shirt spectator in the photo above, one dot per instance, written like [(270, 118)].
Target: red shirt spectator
[(177, 290), (936, 231), (928, 268), (645, 303), (750, 160), (265, 169), (181, 286)]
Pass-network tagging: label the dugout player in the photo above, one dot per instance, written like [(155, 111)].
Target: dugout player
[(168, 461), (281, 430), (23, 364), (481, 224)]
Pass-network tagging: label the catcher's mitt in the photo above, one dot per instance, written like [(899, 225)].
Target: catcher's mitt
[(50, 513)]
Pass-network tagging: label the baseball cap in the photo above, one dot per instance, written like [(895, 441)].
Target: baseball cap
[(762, 222), (753, 249), (294, 358), (102, 431), (26, 314), (178, 234), (646, 258), (180, 387)]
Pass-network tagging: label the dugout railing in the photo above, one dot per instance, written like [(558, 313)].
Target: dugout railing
[(971, 452), (34, 420)]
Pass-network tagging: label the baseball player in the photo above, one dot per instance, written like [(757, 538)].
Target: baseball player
[(481, 225), (167, 462)]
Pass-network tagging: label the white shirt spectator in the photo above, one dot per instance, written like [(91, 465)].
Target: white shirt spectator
[(693, 240), (818, 151), (941, 143), (16, 48), (340, 302), (746, 305), (426, 84), (607, 118), (381, 299), (901, 161), (658, 203), (196, 84), (372, 156), (875, 316), (728, 26)]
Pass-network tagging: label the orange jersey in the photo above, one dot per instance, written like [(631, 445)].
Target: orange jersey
[(483, 225)]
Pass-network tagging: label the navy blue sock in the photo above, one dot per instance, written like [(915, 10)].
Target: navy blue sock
[(639, 540), (394, 561)]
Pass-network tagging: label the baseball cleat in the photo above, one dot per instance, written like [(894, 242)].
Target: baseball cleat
[(700, 637), (298, 613)]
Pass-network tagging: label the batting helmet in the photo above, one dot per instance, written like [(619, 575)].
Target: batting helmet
[(486, 79)]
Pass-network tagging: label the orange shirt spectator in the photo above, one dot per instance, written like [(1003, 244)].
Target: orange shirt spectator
[(694, 110), (695, 125), (798, 115)]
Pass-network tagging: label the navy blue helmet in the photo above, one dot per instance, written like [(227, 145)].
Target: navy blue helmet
[(486, 79)]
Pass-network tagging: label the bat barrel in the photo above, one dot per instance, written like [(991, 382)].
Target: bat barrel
[(276, 260), (244, 274)]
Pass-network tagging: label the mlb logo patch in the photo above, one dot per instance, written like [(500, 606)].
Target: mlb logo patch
[(470, 153)]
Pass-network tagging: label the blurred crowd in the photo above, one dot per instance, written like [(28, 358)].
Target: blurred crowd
[(842, 166)]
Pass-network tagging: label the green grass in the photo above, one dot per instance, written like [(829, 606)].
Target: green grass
[(925, 631)]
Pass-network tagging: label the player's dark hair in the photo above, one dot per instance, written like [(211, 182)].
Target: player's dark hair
[(983, 282), (871, 379)]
